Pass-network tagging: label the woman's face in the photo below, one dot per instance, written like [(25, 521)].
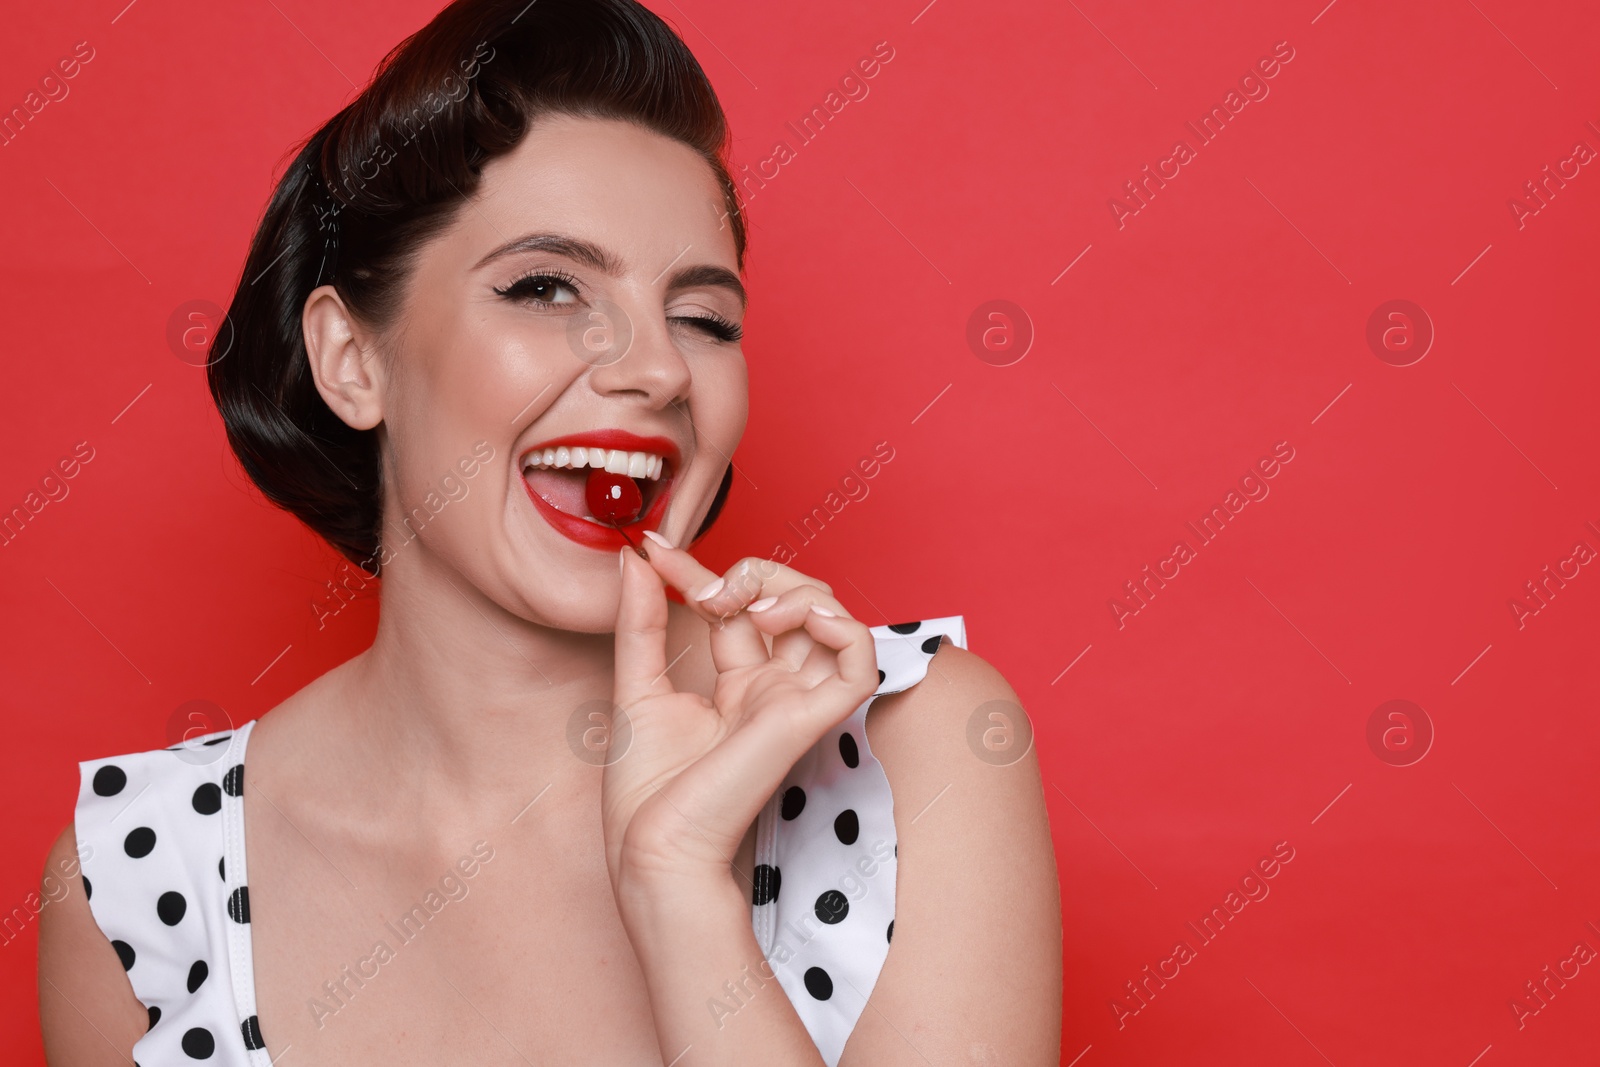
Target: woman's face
[(586, 299)]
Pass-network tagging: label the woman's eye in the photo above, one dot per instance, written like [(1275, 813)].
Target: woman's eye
[(715, 326), (540, 289), (544, 290)]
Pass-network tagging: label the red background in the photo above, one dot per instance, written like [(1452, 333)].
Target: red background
[(1224, 317)]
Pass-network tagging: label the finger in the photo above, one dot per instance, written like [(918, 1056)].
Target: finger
[(641, 636), (784, 618), (851, 641), (685, 573), (794, 646), (752, 578), (820, 663), (734, 642), (752, 760)]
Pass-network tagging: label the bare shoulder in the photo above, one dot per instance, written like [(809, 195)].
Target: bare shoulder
[(957, 682), (87, 1009), (976, 894), (963, 726)]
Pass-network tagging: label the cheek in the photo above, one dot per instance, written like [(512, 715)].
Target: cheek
[(476, 360), (721, 400), (719, 403), (473, 376), (489, 370)]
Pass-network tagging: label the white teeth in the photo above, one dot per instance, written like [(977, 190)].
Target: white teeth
[(633, 464)]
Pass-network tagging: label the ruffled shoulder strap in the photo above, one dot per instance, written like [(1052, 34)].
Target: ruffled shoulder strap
[(823, 907)]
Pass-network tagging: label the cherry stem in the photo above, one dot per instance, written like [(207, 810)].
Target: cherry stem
[(631, 544)]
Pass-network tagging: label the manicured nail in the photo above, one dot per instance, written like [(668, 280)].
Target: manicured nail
[(763, 604), (824, 612), (658, 539), (622, 557), (710, 591)]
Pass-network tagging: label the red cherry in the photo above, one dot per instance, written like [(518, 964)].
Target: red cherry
[(614, 499)]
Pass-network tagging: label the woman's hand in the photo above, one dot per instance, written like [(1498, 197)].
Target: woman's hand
[(679, 799)]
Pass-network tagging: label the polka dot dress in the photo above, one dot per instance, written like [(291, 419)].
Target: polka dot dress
[(163, 833), (165, 876), (826, 856)]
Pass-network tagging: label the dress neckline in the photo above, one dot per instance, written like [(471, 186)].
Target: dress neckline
[(241, 955)]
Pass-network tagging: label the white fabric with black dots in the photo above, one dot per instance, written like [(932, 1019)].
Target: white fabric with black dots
[(160, 834), (826, 857)]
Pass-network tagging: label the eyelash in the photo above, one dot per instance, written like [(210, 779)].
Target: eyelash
[(715, 325)]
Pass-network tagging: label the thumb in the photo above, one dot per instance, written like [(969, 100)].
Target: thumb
[(641, 635)]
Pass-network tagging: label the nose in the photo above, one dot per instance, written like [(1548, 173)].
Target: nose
[(650, 369)]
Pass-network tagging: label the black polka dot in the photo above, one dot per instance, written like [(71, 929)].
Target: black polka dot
[(171, 907), (222, 871), (109, 780), (905, 627), (88, 890), (233, 781), (891, 931), (207, 799), (931, 645), (818, 984), (239, 905), (155, 1017), (125, 953), (831, 907), (897, 850), (219, 740), (847, 827), (881, 676), (794, 801), (848, 751), (252, 1033), (768, 881), (198, 1043), (139, 842), (197, 975)]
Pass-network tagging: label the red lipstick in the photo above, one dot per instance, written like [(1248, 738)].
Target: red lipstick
[(594, 534)]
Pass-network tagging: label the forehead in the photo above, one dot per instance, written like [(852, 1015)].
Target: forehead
[(638, 193)]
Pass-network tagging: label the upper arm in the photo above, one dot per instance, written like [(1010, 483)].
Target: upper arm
[(87, 1009), (973, 974)]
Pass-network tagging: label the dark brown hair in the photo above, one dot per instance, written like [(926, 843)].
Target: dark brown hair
[(391, 170)]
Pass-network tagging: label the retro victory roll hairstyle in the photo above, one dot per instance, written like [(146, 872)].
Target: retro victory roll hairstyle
[(391, 170)]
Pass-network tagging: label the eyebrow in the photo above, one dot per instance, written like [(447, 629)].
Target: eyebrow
[(592, 255)]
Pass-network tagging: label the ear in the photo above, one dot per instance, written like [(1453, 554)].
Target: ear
[(343, 357)]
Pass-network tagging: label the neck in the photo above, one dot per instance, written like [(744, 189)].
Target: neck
[(468, 703)]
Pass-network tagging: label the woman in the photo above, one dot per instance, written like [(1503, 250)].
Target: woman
[(505, 276)]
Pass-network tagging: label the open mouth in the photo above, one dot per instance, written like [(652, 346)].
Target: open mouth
[(556, 474)]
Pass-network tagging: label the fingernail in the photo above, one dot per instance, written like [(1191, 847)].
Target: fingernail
[(658, 539), (710, 591), (763, 604), (824, 612), (622, 557)]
